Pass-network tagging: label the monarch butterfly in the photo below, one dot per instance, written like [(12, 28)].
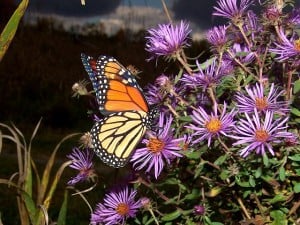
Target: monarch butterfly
[(127, 112)]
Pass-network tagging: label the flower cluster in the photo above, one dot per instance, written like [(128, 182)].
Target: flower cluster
[(220, 119)]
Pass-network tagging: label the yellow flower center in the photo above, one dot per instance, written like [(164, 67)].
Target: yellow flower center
[(155, 145), (261, 135), (122, 209), (261, 103), (214, 125), (297, 44)]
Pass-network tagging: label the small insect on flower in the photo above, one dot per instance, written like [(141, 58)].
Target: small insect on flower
[(79, 88), (82, 161), (260, 134), (257, 98), (210, 126), (116, 208), (160, 149), (167, 39)]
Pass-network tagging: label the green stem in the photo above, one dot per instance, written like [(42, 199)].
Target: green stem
[(240, 201), (240, 64), (153, 216), (166, 10), (183, 63)]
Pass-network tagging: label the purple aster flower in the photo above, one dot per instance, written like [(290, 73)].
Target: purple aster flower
[(292, 140), (259, 134), (294, 17), (82, 161), (167, 39), (154, 94), (116, 208), (226, 68), (209, 126), (163, 80), (257, 99), (204, 78), (252, 26), (230, 9), (217, 37), (160, 148), (287, 49)]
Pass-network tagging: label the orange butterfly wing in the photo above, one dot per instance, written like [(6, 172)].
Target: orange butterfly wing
[(116, 88)]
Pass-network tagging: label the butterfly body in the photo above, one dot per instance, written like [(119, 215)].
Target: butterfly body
[(121, 100)]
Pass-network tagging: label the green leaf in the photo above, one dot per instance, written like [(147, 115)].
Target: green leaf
[(10, 29), (265, 160), (278, 198), (150, 221), (297, 187), (61, 220), (252, 181), (185, 118), (295, 157), (171, 216), (295, 111), (207, 63), (194, 195), (168, 223), (30, 206), (297, 86), (221, 160), (172, 181), (193, 155), (258, 172), (282, 173), (279, 218), (247, 193), (242, 183), (224, 174), (209, 222)]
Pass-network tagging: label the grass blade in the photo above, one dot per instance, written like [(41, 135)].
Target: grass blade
[(46, 174), (10, 29), (1, 141), (61, 220), (47, 201)]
